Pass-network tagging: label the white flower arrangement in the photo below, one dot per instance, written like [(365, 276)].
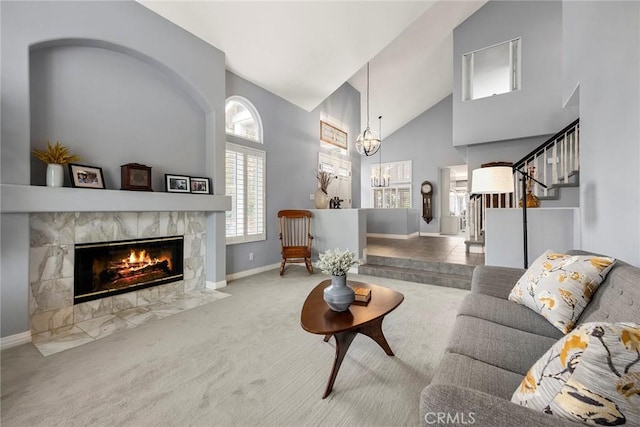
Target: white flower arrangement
[(336, 263)]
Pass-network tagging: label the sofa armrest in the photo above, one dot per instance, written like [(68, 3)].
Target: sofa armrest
[(442, 404), (495, 281)]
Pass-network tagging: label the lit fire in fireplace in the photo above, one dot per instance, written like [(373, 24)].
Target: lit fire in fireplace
[(139, 260), (122, 266), (138, 266)]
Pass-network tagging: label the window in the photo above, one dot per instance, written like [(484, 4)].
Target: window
[(398, 194), (245, 183), (491, 71), (242, 119)]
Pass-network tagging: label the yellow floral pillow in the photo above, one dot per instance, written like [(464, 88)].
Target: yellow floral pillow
[(591, 375), (559, 286)]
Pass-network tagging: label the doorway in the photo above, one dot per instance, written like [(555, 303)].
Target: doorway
[(454, 198)]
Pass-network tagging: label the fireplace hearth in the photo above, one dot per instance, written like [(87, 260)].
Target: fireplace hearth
[(111, 268)]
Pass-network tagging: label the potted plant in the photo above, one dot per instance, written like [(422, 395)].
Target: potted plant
[(338, 295), (55, 156), (321, 195)]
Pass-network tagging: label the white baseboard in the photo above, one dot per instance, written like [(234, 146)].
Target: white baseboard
[(15, 340), (424, 233), (216, 285), (394, 236), (247, 273)]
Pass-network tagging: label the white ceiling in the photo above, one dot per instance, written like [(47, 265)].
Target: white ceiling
[(303, 51)]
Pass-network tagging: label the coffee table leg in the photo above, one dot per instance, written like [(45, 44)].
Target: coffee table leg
[(343, 341), (373, 330)]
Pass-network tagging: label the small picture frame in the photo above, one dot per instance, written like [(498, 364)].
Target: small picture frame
[(177, 183), (200, 185), (84, 176)]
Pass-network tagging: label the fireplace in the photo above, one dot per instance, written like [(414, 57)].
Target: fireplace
[(111, 268)]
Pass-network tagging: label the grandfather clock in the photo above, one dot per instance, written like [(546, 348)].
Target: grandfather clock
[(427, 194)]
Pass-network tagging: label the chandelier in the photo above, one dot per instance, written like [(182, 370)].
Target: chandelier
[(380, 180), (367, 142)]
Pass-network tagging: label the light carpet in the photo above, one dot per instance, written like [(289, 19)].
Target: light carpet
[(239, 361)]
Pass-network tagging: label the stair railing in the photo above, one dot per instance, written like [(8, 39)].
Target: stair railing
[(555, 162)]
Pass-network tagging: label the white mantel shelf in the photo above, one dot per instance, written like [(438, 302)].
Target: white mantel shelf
[(32, 198)]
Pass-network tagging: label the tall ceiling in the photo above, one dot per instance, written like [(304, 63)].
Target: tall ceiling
[(303, 51)]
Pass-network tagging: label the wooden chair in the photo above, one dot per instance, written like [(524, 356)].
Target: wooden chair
[(295, 237)]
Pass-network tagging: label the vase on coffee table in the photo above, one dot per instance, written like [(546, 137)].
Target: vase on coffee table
[(338, 295)]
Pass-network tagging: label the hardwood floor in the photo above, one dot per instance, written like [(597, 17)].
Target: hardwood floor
[(447, 249)]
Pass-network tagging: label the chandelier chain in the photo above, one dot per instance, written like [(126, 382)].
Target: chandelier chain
[(367, 95)]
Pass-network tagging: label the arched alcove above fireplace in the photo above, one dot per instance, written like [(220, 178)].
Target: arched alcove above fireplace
[(112, 105)]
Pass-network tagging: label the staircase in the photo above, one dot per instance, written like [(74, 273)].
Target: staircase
[(412, 270), (556, 164)]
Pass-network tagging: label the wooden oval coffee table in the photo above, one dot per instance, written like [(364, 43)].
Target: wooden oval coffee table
[(318, 318)]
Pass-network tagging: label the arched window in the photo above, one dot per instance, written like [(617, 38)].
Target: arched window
[(242, 119), (245, 174)]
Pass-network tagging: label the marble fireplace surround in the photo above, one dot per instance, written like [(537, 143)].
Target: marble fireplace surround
[(51, 261)]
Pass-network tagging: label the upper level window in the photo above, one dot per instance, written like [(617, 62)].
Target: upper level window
[(491, 71), (242, 119)]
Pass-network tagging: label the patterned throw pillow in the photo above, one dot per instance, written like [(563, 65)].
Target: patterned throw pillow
[(559, 286), (591, 375)]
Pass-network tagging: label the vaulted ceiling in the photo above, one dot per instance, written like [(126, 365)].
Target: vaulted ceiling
[(303, 51)]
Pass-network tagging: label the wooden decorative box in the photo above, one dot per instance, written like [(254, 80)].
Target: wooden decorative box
[(135, 176)]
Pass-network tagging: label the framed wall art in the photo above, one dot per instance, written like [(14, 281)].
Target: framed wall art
[(333, 135), (83, 176), (177, 183)]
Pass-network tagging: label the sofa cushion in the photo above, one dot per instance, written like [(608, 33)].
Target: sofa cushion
[(559, 286), (495, 281), (618, 297), (591, 375), (507, 313), (498, 345), (463, 371), (443, 404)]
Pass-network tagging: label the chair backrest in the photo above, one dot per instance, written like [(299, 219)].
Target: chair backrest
[(295, 227)]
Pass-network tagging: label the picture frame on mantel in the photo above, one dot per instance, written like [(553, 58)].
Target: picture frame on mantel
[(83, 176), (177, 183), (332, 135), (200, 185)]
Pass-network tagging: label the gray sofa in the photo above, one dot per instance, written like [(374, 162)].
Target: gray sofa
[(495, 341)]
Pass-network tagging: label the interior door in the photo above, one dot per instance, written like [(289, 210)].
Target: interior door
[(340, 185)]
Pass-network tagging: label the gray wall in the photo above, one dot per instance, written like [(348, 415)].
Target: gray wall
[(534, 110), (292, 143), (557, 229), (111, 109), (602, 55), (399, 222), (427, 140), (142, 53)]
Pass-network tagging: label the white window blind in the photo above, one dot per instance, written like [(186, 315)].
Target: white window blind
[(397, 172), (245, 183), (398, 194)]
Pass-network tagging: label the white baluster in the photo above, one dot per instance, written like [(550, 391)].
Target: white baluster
[(577, 136), (564, 159), (544, 171), (554, 167)]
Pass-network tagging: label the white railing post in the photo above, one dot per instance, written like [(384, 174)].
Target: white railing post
[(544, 172)]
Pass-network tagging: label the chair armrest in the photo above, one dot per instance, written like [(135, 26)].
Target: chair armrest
[(495, 281), (442, 404)]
